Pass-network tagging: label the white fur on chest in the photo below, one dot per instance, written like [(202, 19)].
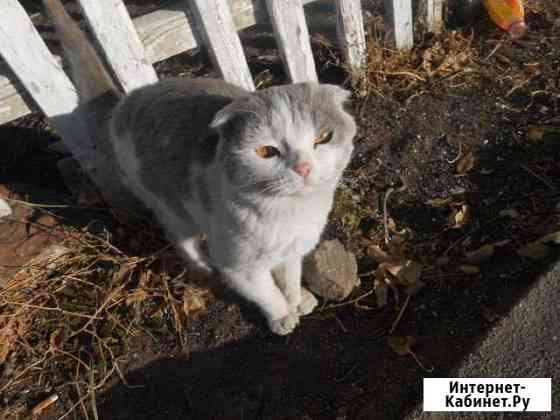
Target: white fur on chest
[(271, 233)]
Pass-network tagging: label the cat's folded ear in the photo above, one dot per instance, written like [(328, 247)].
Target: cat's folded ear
[(228, 115), (222, 117)]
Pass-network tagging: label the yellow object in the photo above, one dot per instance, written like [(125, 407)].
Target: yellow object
[(508, 15)]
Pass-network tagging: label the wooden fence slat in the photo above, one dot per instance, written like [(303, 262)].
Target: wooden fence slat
[(351, 34), (215, 22), (24, 51), (114, 31), (164, 33), (168, 31), (398, 15), (434, 15), (292, 37), (12, 103), (40, 73)]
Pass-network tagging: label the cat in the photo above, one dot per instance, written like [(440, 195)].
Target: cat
[(255, 172)]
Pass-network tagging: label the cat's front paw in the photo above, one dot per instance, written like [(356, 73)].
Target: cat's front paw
[(308, 302), (284, 325)]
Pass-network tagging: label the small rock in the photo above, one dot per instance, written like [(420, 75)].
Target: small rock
[(330, 271), (5, 209)]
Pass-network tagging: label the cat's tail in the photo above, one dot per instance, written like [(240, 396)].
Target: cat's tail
[(88, 72)]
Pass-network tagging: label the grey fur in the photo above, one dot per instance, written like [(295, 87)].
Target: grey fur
[(187, 150)]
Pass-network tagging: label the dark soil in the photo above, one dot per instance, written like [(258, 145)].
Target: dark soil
[(337, 364)]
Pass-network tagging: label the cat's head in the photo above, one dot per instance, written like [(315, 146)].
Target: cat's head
[(286, 140)]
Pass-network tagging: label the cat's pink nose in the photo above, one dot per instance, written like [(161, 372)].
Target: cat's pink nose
[(303, 169)]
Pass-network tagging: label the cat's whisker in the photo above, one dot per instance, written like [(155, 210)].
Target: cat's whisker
[(258, 185)]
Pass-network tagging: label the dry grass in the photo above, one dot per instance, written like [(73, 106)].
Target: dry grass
[(65, 320), (454, 59)]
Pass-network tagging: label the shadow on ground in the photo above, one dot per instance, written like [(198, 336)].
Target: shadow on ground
[(336, 365)]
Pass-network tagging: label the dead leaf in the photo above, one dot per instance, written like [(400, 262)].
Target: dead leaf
[(406, 273), (453, 63), (459, 217), (535, 132), (427, 58), (397, 273), (439, 202), (535, 251), (195, 299), (465, 163), (394, 269), (401, 345), (551, 237), (538, 132), (396, 247), (539, 249), (378, 254), (511, 213), (392, 226), (469, 269), (43, 405), (480, 255)]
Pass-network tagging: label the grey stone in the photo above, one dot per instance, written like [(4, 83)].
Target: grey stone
[(330, 271)]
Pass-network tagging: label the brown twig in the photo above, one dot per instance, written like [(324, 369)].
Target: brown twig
[(350, 302), (417, 360), (46, 308), (390, 191), (537, 176), (399, 316)]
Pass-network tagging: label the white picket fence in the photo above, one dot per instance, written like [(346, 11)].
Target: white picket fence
[(132, 46)]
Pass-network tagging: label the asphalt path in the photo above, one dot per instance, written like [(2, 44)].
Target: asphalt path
[(524, 344)]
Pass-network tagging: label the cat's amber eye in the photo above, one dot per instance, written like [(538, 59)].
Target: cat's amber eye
[(323, 138), (267, 152)]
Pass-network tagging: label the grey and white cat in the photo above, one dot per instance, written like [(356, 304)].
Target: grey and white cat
[(255, 171)]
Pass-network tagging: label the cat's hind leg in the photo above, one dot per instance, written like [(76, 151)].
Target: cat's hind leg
[(194, 255)]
